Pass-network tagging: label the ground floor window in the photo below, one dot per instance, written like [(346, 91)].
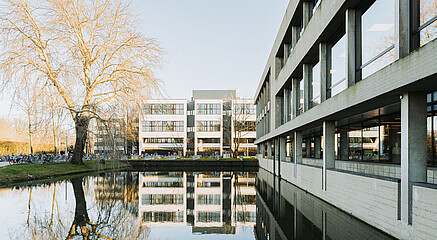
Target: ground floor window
[(431, 147)]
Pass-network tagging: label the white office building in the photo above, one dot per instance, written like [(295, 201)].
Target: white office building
[(212, 122)]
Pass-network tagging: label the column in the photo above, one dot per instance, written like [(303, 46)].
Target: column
[(325, 66), (317, 147), (306, 86), (403, 27), (344, 146), (282, 152), (269, 150), (297, 150), (296, 99), (328, 149), (353, 46), (277, 154), (286, 102), (413, 148)]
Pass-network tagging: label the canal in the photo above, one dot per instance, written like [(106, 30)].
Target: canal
[(173, 205)]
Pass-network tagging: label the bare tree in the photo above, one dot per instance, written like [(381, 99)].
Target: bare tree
[(89, 53), (243, 123)]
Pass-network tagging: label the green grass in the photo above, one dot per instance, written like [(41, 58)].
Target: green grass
[(21, 173)]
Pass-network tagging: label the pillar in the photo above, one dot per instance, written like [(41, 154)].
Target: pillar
[(328, 149), (344, 146), (317, 147), (413, 148), (306, 86), (286, 103), (282, 152), (325, 66), (353, 46), (297, 150), (277, 154), (296, 98), (403, 27)]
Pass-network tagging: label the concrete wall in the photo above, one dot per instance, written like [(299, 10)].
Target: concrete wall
[(373, 200)]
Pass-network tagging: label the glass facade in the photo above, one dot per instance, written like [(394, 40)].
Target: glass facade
[(209, 108), (301, 99), (432, 129), (428, 12), (160, 199), (164, 109), (209, 199), (377, 36), (338, 67), (244, 126), (376, 139), (208, 140), (162, 126), (244, 108), (208, 126), (315, 85), (163, 140)]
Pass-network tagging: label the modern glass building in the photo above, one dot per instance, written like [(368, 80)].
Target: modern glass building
[(346, 109)]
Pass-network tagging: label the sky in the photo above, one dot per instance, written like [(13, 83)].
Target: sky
[(209, 44)]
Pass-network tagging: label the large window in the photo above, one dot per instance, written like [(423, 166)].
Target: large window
[(338, 67), (376, 139), (208, 126), (209, 108), (164, 109), (377, 37), (162, 126), (208, 140), (160, 199), (163, 140), (432, 129), (315, 85), (208, 216), (428, 21), (244, 126), (208, 199), (244, 108), (301, 98)]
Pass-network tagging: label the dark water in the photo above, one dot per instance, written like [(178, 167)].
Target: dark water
[(173, 205)]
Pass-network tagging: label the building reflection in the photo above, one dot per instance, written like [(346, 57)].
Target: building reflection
[(210, 202), (287, 212)]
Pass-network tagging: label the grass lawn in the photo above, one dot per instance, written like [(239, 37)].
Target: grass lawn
[(20, 173)]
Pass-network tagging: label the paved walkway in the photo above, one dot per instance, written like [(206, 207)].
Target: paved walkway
[(2, 164)]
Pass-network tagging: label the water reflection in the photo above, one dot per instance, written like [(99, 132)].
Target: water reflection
[(174, 205), (152, 205), (287, 212)]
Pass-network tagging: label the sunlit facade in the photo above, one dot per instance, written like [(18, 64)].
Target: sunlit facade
[(349, 90), (207, 125)]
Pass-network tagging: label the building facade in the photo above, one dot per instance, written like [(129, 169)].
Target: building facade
[(213, 122), (211, 202), (346, 109)]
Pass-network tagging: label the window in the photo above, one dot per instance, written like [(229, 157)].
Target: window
[(164, 109), (338, 67), (208, 140), (315, 85), (208, 199), (244, 126), (428, 21), (377, 37), (208, 216), (244, 108), (161, 199), (301, 97), (209, 109), (162, 126), (208, 126), (432, 129), (163, 140)]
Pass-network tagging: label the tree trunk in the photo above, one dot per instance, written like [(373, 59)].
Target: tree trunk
[(81, 217), (81, 124), (30, 132)]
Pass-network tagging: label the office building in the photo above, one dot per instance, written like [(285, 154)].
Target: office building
[(346, 109), (211, 123)]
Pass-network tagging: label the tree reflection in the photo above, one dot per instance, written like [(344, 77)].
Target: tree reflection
[(111, 217)]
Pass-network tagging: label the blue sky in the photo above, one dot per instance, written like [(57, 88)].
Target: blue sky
[(209, 44)]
